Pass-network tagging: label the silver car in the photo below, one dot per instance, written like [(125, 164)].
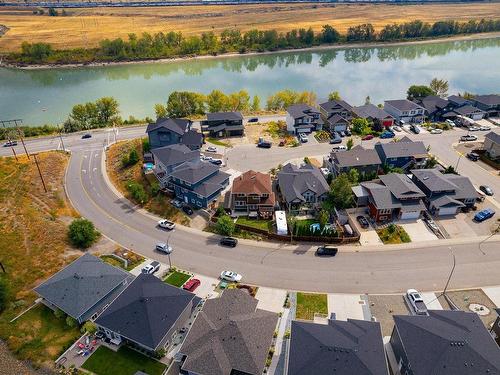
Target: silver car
[(230, 276), (164, 248)]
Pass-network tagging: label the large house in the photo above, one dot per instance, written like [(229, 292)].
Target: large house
[(492, 145), (445, 194), (229, 336), (303, 118), (303, 188), (365, 161), (488, 103), (84, 288), (223, 124), (379, 118), (446, 343), (147, 314), (436, 107), (341, 347), (336, 114), (405, 111), (167, 158), (404, 154), (169, 131), (252, 192)]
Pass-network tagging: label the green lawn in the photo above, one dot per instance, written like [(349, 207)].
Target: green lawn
[(218, 142), (113, 261), (259, 224), (393, 234), (126, 361), (310, 303), (177, 278)]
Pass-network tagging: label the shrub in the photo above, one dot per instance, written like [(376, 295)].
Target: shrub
[(3, 294), (89, 327), (225, 226), (146, 147), (82, 233), (133, 157), (59, 314), (71, 322), (137, 192)]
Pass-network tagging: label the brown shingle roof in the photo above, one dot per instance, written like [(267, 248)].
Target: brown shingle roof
[(252, 182)]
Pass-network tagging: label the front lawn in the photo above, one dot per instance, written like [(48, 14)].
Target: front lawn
[(393, 234), (218, 142), (266, 225), (177, 278), (310, 303), (322, 136), (126, 361)]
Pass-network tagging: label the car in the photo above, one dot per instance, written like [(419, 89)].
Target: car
[(326, 250), (473, 128), (342, 133), (166, 224), (416, 302), (191, 285), (396, 128), (228, 241), (347, 133), (484, 128), (430, 223), (468, 137), (325, 171), (86, 136), (230, 276), (253, 119), (449, 122), (282, 143), (10, 144), (211, 149), (163, 248), (335, 140), (339, 148), (472, 156), (486, 190), (206, 158), (176, 203), (484, 215), (367, 137), (415, 129), (265, 144), (303, 138), (216, 161), (362, 221), (480, 196), (387, 134), (436, 131), (151, 267), (188, 210)]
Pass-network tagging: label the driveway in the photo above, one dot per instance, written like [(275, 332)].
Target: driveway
[(345, 306), (271, 299), (207, 286), (417, 230), (368, 236)]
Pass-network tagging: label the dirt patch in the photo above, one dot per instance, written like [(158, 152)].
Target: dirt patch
[(464, 298), (383, 307)]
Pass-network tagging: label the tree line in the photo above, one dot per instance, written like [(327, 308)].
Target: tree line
[(175, 44)]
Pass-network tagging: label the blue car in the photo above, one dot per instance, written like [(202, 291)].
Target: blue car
[(387, 134), (484, 215)]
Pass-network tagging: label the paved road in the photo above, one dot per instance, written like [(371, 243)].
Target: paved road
[(373, 270)]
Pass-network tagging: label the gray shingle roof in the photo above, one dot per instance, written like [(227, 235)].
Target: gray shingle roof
[(358, 156), (224, 116), (466, 110), (353, 347), (403, 104), (229, 334), (174, 154), (176, 125), (194, 171), (212, 185), (192, 138), (490, 99), (294, 181), (460, 187), (403, 149), (370, 111), (81, 285), (445, 201), (457, 100), (401, 186), (382, 197), (146, 310), (494, 137), (335, 105), (301, 110), (432, 103), (448, 343)]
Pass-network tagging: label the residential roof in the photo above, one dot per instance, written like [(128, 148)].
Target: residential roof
[(433, 103), (230, 335), (146, 310), (403, 104), (445, 201), (81, 285), (224, 116), (357, 156), (458, 100), (459, 187), (301, 110), (448, 343), (176, 125), (335, 105), (194, 171), (174, 154), (252, 182), (382, 196), (294, 181), (336, 118), (467, 109), (212, 185), (341, 347), (401, 186), (490, 99), (370, 111), (494, 137), (192, 138), (403, 149)]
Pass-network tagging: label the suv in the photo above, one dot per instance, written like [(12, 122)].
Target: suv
[(327, 250), (415, 129), (151, 268), (486, 190), (228, 241), (473, 156), (416, 302), (484, 215), (303, 138), (10, 144), (339, 148), (164, 248)]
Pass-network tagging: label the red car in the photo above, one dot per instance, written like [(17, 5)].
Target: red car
[(191, 285), (367, 137)]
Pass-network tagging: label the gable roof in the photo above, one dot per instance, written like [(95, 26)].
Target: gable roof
[(401, 186), (448, 343), (490, 99), (433, 103), (357, 156), (176, 125), (174, 154), (224, 116), (467, 109), (194, 171), (294, 181), (494, 137), (370, 111), (301, 110), (343, 348), (336, 105), (337, 119), (229, 334), (460, 187), (403, 148), (192, 138), (458, 100), (146, 310), (252, 182), (403, 104), (81, 285)]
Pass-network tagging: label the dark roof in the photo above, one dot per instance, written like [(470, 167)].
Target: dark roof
[(336, 105), (212, 185), (433, 103), (81, 285), (336, 119), (445, 201), (294, 181), (403, 104), (192, 138), (229, 335), (194, 171), (403, 149), (174, 154), (494, 137), (301, 110), (401, 186), (357, 156), (460, 187), (458, 100), (370, 111), (146, 310), (448, 343), (467, 109), (490, 99), (353, 347), (176, 125), (382, 196), (224, 116)]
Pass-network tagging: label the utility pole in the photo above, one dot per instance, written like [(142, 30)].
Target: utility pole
[(9, 139), (458, 161), (40, 172), (497, 229), (61, 138), (17, 122)]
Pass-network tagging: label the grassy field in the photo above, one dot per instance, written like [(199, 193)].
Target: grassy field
[(310, 303), (177, 278), (86, 27)]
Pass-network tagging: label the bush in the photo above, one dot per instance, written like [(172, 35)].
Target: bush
[(225, 226), (137, 192), (146, 147), (3, 294), (82, 233), (133, 157), (59, 314), (89, 327), (71, 322)]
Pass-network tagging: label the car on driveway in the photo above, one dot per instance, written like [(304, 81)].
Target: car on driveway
[(176, 203), (387, 134), (216, 161), (416, 302), (191, 285), (325, 171), (449, 122), (327, 250), (473, 156), (86, 136), (151, 267), (166, 224), (211, 149), (228, 241), (336, 139), (484, 215), (339, 148), (347, 133), (415, 129), (396, 128), (486, 190), (10, 144), (367, 137), (303, 138), (484, 128), (474, 128), (430, 223), (253, 119), (436, 131), (163, 248), (468, 138), (230, 276), (362, 221), (187, 210)]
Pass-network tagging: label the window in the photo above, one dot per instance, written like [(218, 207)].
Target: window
[(240, 195)]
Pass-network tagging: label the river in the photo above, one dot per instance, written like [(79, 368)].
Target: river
[(47, 95)]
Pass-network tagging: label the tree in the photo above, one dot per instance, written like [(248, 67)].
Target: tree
[(90, 327), (353, 176), (160, 111), (349, 143), (359, 125), (59, 314), (107, 110), (431, 162), (3, 293), (334, 95), (439, 86), (341, 195), (133, 157), (225, 226), (416, 92), (450, 170), (323, 217), (255, 104), (329, 34), (185, 103), (82, 233), (71, 322), (217, 101), (137, 192)]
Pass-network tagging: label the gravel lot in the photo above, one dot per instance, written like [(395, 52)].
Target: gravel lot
[(383, 307), (10, 365)]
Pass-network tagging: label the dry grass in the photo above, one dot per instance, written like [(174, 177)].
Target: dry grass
[(86, 27)]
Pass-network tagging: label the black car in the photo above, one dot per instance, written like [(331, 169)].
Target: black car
[(86, 136), (228, 241), (327, 250), (264, 144), (473, 156), (362, 221), (253, 119), (188, 210), (216, 161), (486, 190), (347, 132)]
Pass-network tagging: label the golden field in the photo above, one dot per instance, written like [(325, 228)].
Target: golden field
[(86, 27)]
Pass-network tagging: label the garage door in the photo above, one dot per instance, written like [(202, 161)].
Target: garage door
[(410, 215), (447, 211)]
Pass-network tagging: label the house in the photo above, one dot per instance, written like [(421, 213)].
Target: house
[(492, 145), (303, 188), (365, 161), (84, 288), (445, 194), (447, 342), (193, 139), (469, 111), (458, 101), (405, 111), (147, 314), (488, 103), (303, 118), (167, 131), (167, 158), (340, 347), (394, 197), (229, 336), (403, 154), (379, 118), (252, 192), (198, 183), (223, 124), (435, 107), (336, 114), (495, 328)]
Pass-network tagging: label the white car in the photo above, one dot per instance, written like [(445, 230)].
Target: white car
[(212, 149), (468, 137), (339, 148), (164, 248), (325, 171), (151, 267), (474, 128), (396, 128), (166, 224), (230, 276), (451, 123), (436, 131), (303, 138), (176, 203), (416, 301), (484, 128)]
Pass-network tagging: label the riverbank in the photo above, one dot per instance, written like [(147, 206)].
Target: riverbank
[(454, 38)]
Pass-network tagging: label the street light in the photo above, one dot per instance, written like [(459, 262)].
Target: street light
[(497, 230)]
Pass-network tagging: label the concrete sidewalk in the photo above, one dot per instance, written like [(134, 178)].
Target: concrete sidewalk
[(493, 293)]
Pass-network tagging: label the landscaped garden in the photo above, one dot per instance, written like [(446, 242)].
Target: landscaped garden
[(177, 278), (125, 361), (133, 259), (310, 303), (322, 136), (262, 224), (393, 234)]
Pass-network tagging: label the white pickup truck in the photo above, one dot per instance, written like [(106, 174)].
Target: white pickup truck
[(416, 302)]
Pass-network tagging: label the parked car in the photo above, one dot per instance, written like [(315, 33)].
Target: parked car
[(362, 221), (486, 190), (10, 144), (206, 158), (480, 196), (216, 161), (303, 138), (416, 302), (151, 267), (228, 241), (176, 203), (327, 250), (436, 131), (484, 128), (473, 128), (339, 148), (367, 137), (468, 137), (451, 123), (211, 149), (191, 285), (387, 134), (415, 129), (188, 210), (473, 156), (230, 276), (484, 215), (265, 144), (430, 223), (342, 133), (282, 143), (166, 224), (86, 136), (396, 128), (335, 139), (163, 248), (253, 119)]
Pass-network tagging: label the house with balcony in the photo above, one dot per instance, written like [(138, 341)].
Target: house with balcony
[(365, 161), (377, 117), (167, 158), (336, 114), (303, 118), (404, 154), (169, 131), (405, 111), (223, 124)]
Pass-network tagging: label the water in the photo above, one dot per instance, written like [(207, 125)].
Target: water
[(46, 96)]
